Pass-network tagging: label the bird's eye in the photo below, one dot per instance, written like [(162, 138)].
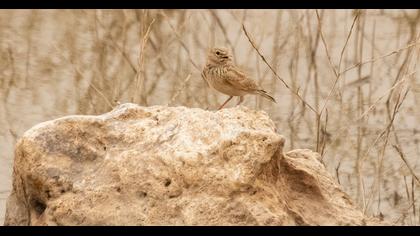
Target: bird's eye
[(217, 53)]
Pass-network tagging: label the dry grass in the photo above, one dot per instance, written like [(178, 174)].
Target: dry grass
[(346, 81)]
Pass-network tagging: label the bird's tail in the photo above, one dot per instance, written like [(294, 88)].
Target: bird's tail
[(266, 95)]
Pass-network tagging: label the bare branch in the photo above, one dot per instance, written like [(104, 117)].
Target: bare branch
[(296, 93)]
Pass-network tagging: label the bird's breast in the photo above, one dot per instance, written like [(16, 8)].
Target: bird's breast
[(216, 77)]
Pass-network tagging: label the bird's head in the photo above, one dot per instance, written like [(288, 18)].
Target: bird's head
[(219, 56)]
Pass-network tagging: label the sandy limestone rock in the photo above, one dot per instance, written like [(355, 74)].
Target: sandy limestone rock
[(171, 166)]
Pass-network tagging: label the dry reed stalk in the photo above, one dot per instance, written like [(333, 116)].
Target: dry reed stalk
[(312, 66), (140, 64), (337, 75), (385, 133)]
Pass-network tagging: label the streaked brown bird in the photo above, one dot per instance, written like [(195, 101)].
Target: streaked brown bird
[(221, 74)]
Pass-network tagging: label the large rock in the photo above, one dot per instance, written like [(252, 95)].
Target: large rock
[(171, 166)]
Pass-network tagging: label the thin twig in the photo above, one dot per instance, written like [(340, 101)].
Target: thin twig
[(347, 39), (223, 28), (379, 58), (346, 127), (325, 45), (76, 69), (296, 93), (402, 156), (180, 89), (383, 95), (181, 42), (336, 73), (102, 95), (115, 44)]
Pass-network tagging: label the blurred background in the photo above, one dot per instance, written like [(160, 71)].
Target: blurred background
[(347, 84)]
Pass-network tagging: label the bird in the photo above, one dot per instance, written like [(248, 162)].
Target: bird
[(223, 75)]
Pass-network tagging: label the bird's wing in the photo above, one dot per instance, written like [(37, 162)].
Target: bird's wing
[(238, 79)]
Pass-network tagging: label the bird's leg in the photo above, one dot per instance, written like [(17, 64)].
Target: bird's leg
[(225, 102), (241, 99)]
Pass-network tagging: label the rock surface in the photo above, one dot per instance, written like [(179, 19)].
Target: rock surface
[(171, 166)]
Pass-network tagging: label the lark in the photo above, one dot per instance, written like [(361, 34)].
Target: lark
[(221, 74)]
